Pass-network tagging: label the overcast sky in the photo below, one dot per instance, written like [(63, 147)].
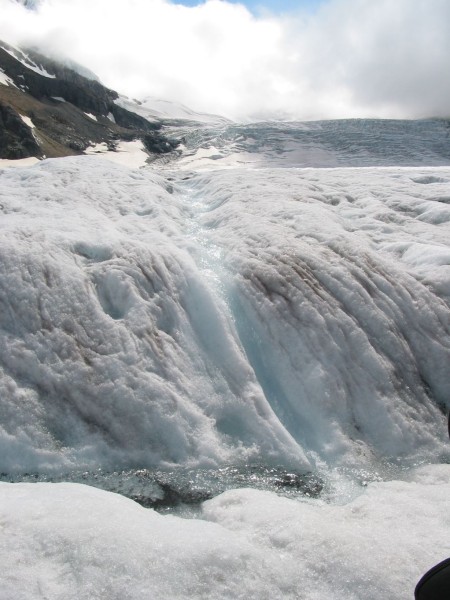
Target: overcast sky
[(275, 6), (304, 59)]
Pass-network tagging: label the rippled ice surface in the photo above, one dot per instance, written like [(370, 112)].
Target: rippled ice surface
[(343, 143), (277, 316)]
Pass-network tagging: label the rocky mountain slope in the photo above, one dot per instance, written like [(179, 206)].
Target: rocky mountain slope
[(50, 110)]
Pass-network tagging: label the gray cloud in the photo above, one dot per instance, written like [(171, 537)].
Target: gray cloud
[(388, 58)]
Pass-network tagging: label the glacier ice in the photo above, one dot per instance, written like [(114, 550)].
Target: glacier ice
[(219, 328), (351, 347), (294, 317), (115, 353)]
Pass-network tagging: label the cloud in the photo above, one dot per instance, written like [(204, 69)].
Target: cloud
[(350, 58)]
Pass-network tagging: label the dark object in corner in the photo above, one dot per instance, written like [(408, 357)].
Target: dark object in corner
[(435, 584)]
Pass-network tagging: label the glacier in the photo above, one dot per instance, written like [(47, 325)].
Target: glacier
[(270, 304)]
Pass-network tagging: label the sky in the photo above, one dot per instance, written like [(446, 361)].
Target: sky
[(274, 6), (297, 59)]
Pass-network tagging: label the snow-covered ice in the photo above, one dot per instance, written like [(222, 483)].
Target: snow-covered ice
[(247, 317), (115, 351), (129, 154), (153, 109), (63, 541), (358, 337), (21, 162), (320, 343)]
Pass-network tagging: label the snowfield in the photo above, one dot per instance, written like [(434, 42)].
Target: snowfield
[(202, 317), (65, 540)]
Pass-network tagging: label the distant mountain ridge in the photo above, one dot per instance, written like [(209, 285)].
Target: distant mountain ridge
[(48, 109)]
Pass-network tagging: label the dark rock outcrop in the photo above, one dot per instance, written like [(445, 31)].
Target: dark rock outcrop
[(158, 144), (69, 111), (16, 137)]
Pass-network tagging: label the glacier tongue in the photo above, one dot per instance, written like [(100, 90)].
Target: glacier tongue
[(279, 316)]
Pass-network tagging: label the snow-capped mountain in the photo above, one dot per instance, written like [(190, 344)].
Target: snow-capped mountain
[(49, 109), (154, 108)]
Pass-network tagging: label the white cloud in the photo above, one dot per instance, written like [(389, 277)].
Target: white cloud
[(388, 58)]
